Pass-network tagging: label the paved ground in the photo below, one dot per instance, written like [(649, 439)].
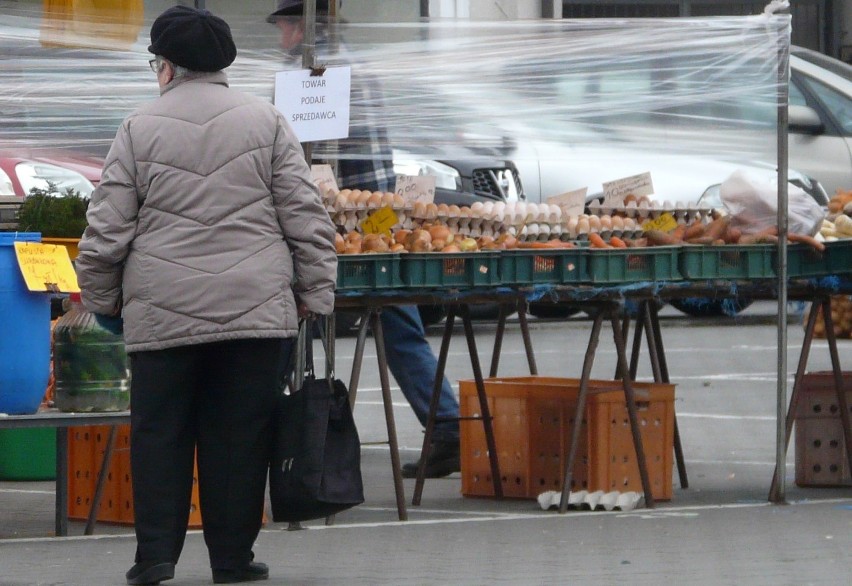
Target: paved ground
[(720, 530)]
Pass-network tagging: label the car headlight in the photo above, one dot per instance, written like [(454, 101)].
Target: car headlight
[(445, 176), (34, 175), (6, 187)]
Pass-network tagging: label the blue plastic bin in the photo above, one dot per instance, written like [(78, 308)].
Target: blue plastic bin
[(24, 333)]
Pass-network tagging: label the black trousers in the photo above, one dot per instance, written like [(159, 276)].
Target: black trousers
[(217, 399)]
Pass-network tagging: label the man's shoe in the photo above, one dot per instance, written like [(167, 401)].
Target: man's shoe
[(249, 573), (444, 459), (150, 572)]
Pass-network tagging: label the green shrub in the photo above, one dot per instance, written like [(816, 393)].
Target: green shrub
[(54, 214)]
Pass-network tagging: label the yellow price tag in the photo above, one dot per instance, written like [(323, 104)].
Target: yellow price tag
[(379, 222), (665, 223), (46, 267)]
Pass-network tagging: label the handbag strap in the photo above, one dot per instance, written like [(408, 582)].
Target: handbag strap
[(304, 355)]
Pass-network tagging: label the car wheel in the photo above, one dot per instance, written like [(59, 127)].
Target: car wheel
[(629, 308), (345, 323), (545, 310), (706, 307), (431, 314)]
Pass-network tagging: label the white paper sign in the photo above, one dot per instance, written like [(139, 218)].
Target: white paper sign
[(638, 185), (324, 175), (317, 107), (414, 188), (572, 202)]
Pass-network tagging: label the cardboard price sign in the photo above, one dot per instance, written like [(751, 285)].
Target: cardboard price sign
[(638, 185), (572, 202), (379, 222), (665, 223), (323, 174), (46, 267), (414, 188)]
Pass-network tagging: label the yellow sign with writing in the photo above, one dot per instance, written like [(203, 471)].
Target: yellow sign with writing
[(664, 222), (46, 267), (380, 222)]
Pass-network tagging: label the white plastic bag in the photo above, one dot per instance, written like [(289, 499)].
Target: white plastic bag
[(752, 202)]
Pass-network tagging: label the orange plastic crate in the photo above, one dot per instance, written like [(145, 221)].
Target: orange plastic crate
[(532, 420), (820, 447), (86, 447)]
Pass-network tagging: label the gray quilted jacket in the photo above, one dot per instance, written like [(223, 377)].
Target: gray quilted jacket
[(205, 222)]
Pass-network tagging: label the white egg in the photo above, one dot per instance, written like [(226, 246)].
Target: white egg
[(499, 210), (487, 209)]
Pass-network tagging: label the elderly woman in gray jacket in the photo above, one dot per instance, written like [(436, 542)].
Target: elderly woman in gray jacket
[(207, 235)]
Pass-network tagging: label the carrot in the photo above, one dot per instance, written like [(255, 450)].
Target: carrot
[(758, 239), (716, 229), (617, 242), (595, 241), (733, 235), (637, 243), (660, 238), (679, 232), (805, 239), (695, 230), (536, 245), (700, 240)]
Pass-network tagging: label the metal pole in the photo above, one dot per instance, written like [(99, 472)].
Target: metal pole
[(781, 416)]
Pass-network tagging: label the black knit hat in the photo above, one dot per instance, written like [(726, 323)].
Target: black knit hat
[(295, 8), (193, 38)]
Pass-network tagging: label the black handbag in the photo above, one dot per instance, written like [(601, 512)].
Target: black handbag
[(315, 469)]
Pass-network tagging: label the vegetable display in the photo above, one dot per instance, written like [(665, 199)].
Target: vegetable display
[(90, 365)]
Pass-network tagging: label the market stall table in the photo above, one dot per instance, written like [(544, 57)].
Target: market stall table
[(816, 291), (458, 302), (62, 421)]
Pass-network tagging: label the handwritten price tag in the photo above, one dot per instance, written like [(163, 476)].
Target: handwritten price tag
[(572, 203), (324, 174), (665, 223), (414, 188), (379, 222), (638, 185), (46, 267)]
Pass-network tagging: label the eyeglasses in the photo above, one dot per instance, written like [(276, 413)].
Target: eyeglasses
[(153, 64)]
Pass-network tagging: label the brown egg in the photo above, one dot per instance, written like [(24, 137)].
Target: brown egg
[(374, 200)]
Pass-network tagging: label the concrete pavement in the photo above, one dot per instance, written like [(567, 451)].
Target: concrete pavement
[(721, 530)]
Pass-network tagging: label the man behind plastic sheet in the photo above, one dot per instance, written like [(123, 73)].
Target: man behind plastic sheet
[(209, 237), (410, 357)]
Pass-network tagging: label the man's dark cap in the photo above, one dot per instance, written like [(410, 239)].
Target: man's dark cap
[(193, 38), (295, 8)]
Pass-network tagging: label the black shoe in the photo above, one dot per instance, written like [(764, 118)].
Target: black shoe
[(150, 572), (444, 459), (253, 571)]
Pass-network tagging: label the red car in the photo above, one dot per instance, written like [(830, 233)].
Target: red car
[(22, 170)]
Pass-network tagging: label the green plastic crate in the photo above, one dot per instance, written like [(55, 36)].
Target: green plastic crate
[(630, 265), (28, 454), (805, 261), (437, 270), (727, 261), (530, 267), (839, 257), (368, 271)]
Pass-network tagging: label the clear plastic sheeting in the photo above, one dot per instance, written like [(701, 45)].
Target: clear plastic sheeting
[(594, 92)]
